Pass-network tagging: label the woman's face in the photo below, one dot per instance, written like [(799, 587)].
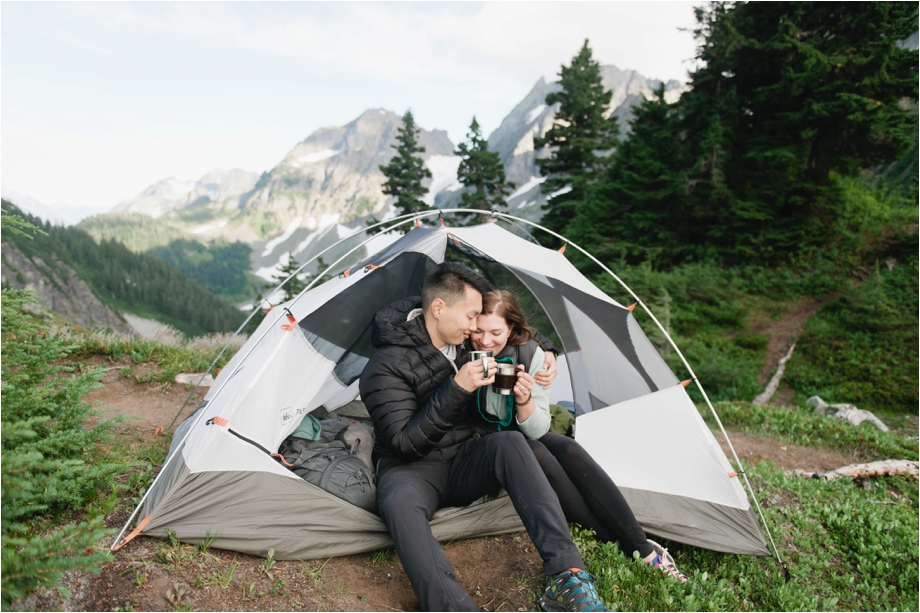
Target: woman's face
[(491, 333)]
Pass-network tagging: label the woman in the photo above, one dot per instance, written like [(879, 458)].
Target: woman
[(587, 494)]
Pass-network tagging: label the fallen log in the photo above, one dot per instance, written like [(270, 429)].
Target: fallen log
[(864, 471)]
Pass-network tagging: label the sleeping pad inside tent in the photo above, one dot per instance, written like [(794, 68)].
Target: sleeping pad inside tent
[(222, 478)]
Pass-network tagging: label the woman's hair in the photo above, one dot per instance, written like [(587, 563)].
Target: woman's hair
[(504, 304)]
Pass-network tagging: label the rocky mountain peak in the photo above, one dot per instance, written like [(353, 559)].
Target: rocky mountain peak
[(532, 117), (173, 194)]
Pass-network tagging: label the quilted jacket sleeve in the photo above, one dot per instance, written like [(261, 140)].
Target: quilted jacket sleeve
[(545, 343), (403, 428)]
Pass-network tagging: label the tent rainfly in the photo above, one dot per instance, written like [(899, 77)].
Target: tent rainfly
[(309, 353)]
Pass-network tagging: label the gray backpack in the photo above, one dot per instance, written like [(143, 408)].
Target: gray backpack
[(334, 466)]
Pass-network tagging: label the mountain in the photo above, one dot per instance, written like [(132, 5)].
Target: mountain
[(513, 139), (330, 182), (58, 214), (329, 179), (90, 282), (217, 189)]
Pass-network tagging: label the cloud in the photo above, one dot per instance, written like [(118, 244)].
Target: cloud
[(465, 40)]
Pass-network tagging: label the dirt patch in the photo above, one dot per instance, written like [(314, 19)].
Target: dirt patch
[(784, 330), (752, 449), (145, 406), (502, 573)]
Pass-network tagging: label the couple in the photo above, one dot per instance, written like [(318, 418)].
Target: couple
[(444, 441)]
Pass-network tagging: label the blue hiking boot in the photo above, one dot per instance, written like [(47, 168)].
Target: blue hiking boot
[(571, 591)]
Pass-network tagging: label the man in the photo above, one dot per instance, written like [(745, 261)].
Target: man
[(428, 457)]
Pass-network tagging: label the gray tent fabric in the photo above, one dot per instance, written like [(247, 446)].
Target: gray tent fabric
[(307, 355)]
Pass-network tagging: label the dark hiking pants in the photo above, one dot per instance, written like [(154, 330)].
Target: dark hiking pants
[(408, 494), (587, 493)]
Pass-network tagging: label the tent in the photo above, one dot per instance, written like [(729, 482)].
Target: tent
[(221, 481)]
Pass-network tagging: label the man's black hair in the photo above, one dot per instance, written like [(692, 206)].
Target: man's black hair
[(448, 281)]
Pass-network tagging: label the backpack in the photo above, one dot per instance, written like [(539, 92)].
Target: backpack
[(333, 467)]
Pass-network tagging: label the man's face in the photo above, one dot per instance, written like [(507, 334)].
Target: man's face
[(457, 322)]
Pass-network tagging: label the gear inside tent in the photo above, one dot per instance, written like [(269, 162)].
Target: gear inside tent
[(224, 478)]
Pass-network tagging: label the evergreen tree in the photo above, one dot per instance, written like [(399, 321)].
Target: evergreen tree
[(406, 171), (637, 189), (482, 171), (579, 139), (293, 286), (790, 98)]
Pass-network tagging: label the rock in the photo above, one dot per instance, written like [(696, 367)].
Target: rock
[(193, 378), (819, 405), (857, 416), (845, 411), (59, 290)]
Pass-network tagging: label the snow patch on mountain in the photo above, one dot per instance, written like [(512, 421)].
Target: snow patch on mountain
[(270, 245), (529, 185), (318, 157), (325, 220), (535, 112), (559, 192), (443, 175)]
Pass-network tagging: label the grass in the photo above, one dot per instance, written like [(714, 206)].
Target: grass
[(803, 427), (862, 347), (848, 547), (171, 353), (844, 551)]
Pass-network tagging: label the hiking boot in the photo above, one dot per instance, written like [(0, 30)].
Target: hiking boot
[(571, 591), (665, 562)]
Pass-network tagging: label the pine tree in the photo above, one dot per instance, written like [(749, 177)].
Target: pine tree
[(789, 100), (406, 171), (482, 171), (293, 286), (580, 139), (628, 214)]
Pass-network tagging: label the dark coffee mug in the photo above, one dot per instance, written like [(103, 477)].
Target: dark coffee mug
[(505, 379)]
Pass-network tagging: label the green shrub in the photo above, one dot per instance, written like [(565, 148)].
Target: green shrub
[(53, 461), (847, 549), (862, 347)]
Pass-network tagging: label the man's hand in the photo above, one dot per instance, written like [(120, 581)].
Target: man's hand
[(470, 375), (548, 374)]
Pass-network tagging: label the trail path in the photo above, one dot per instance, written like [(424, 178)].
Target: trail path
[(503, 573), (785, 329)]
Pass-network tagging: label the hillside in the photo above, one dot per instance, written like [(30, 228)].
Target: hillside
[(66, 262)]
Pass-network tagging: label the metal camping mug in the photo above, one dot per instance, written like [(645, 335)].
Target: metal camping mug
[(505, 379), (484, 356)]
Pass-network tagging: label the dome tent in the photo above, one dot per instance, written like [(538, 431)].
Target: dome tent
[(221, 481)]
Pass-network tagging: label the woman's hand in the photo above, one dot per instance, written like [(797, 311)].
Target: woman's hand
[(548, 374), (523, 399)]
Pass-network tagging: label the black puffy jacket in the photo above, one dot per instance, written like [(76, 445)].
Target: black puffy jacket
[(409, 389)]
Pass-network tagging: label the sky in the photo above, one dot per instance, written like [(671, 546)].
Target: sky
[(100, 100)]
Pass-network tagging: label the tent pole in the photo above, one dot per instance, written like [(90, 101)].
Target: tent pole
[(689, 369), (407, 219)]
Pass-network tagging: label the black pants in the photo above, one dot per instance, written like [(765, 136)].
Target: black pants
[(408, 494), (587, 494)]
